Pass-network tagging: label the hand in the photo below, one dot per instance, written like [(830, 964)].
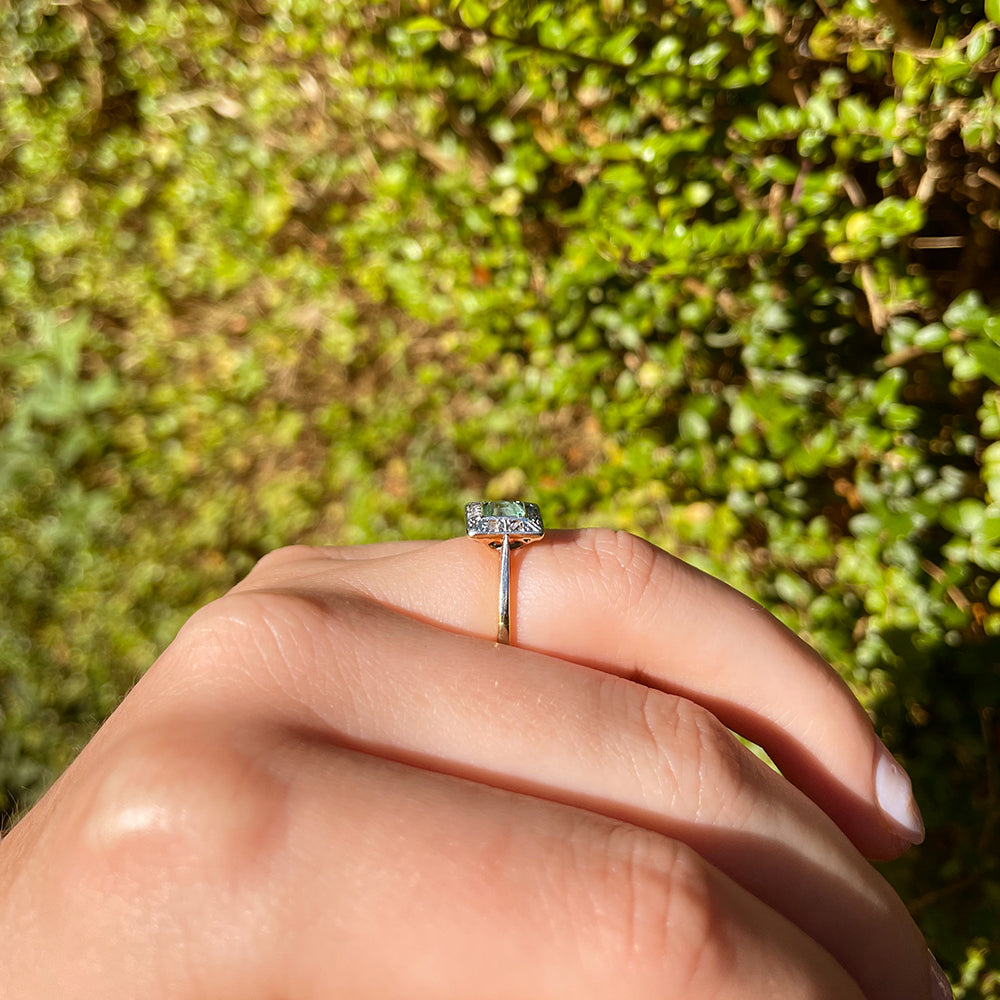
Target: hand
[(335, 784)]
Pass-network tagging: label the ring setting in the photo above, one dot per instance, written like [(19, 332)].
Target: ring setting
[(504, 525)]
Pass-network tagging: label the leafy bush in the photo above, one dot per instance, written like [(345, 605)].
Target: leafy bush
[(723, 272)]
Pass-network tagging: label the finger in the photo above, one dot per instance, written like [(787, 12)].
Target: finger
[(375, 550), (612, 601), (302, 555), (330, 869), (546, 727)]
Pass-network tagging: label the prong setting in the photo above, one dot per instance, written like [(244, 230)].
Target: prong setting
[(490, 521)]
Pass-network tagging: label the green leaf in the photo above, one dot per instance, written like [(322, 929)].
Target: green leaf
[(991, 327), (932, 337), (912, 215), (966, 312), (693, 426), (824, 40), (820, 112), (474, 13), (888, 387), (616, 151), (618, 47), (749, 128), (980, 43), (418, 24), (988, 356), (903, 67), (768, 117), (854, 113), (698, 193), (667, 48), (964, 517), (993, 11)]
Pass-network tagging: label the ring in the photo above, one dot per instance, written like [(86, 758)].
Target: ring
[(504, 525)]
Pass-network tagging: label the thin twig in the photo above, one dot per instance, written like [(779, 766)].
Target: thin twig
[(929, 898), (990, 176)]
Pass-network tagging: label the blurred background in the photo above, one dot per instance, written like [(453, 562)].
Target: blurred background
[(721, 272)]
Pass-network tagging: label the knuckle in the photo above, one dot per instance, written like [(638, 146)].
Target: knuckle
[(271, 612), (257, 636), (641, 726), (628, 566), (699, 927), (276, 562), (683, 758), (668, 915), (718, 766), (179, 811)]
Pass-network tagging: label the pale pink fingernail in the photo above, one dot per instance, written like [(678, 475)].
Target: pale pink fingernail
[(940, 987), (895, 796)]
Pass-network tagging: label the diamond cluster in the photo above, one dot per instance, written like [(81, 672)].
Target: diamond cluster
[(490, 519)]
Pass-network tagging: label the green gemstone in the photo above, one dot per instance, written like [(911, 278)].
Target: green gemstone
[(504, 508)]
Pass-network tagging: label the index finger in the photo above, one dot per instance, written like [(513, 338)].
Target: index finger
[(614, 602)]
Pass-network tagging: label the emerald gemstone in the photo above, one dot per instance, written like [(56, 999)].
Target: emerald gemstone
[(490, 520), (504, 508)]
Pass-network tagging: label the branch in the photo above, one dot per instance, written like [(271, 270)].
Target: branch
[(894, 13)]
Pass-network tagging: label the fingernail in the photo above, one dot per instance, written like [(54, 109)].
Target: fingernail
[(895, 796), (940, 987)]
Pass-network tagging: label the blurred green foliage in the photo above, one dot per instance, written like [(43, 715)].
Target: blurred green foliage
[(723, 272)]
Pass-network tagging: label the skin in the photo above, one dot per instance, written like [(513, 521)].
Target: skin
[(335, 783)]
